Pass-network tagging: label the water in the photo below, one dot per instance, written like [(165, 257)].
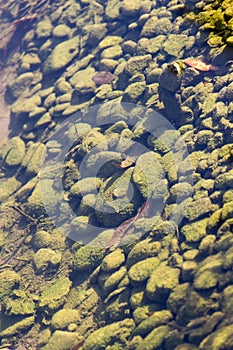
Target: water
[(116, 199)]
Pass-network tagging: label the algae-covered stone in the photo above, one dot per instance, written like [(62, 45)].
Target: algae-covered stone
[(8, 280), (188, 269), (24, 107), (7, 187), (177, 297), (208, 273), (14, 151), (142, 270), (62, 318), (186, 346), (113, 280), (137, 64), (195, 231), (222, 338), (45, 257), (82, 80), (158, 288), (20, 304), (61, 55), (18, 327), (34, 158), (44, 28), (42, 239), (61, 340), (154, 339), (227, 211), (118, 332), (20, 84), (198, 208), (134, 91), (108, 41), (113, 260), (85, 186), (36, 202), (118, 307), (155, 26), (54, 295), (130, 8), (176, 44), (112, 10), (148, 171), (61, 31), (142, 250), (90, 255), (158, 318)]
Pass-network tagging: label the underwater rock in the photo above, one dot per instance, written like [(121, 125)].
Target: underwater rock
[(8, 186), (158, 289), (34, 157), (154, 339), (142, 250), (113, 260), (155, 26), (118, 332), (158, 318), (61, 55), (54, 295), (14, 151), (130, 8), (62, 340), (44, 28), (208, 273), (8, 280), (142, 270), (21, 83), (61, 31), (20, 304), (42, 239), (46, 257), (62, 318), (147, 173), (198, 208), (137, 64), (18, 327), (222, 337), (195, 231)]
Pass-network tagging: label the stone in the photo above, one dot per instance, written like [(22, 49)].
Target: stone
[(155, 26), (44, 28), (147, 172), (221, 338), (18, 327), (46, 257), (62, 318), (8, 281), (143, 250), (61, 55), (42, 239), (130, 8), (61, 31), (34, 158), (109, 41), (141, 271), (113, 260), (134, 91), (195, 231), (137, 64), (54, 295), (158, 289), (113, 52), (198, 208), (157, 319), (62, 340), (14, 151), (208, 273), (21, 83), (154, 339), (118, 332), (8, 186)]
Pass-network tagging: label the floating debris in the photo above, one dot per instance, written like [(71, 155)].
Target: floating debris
[(200, 65), (176, 67), (103, 77)]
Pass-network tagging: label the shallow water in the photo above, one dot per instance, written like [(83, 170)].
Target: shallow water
[(116, 199)]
